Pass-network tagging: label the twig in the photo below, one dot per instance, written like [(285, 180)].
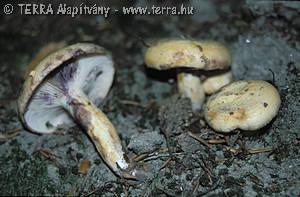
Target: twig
[(216, 141), (200, 140), (140, 157), (197, 186), (209, 172), (259, 150), (52, 153), (222, 159), (273, 76), (165, 132), (148, 106), (168, 193), (127, 102), (14, 130), (156, 156), (45, 154), (166, 163)]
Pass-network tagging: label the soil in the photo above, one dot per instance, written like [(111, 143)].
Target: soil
[(148, 113)]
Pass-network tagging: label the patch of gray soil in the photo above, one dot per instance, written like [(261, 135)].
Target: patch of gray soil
[(153, 122)]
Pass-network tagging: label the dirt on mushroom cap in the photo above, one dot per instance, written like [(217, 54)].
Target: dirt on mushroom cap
[(206, 55), (247, 105)]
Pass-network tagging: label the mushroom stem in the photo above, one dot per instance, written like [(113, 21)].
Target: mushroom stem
[(102, 133), (190, 86)]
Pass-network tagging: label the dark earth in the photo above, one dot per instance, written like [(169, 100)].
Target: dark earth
[(144, 105)]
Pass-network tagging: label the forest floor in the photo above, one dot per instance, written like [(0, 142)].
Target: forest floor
[(264, 40)]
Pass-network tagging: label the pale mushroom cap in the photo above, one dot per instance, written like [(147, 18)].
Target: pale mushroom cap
[(84, 54), (206, 55), (247, 105), (214, 83)]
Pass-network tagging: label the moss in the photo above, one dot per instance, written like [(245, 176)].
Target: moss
[(168, 175), (173, 185), (189, 177), (228, 163), (223, 171), (68, 174), (233, 182), (204, 181), (258, 188), (234, 192), (228, 154), (280, 153), (79, 156), (19, 180), (211, 159)]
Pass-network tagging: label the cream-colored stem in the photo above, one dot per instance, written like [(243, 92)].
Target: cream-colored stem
[(190, 86), (101, 131)]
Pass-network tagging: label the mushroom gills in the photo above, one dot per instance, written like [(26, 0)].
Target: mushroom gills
[(54, 92)]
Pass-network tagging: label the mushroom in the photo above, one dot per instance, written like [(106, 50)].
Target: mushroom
[(246, 105), (66, 87), (198, 55), (214, 83)]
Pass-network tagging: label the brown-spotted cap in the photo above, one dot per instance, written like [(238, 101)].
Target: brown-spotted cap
[(39, 103), (246, 105), (206, 55)]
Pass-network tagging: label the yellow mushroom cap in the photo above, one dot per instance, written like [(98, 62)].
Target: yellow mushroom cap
[(247, 105), (206, 55)]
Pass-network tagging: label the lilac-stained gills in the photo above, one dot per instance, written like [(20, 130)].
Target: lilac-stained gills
[(46, 97), (64, 76)]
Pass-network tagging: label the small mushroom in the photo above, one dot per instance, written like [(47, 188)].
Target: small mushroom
[(214, 83), (198, 55), (66, 87), (246, 105)]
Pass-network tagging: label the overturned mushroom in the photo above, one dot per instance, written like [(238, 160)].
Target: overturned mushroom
[(66, 87), (198, 55), (246, 105)]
